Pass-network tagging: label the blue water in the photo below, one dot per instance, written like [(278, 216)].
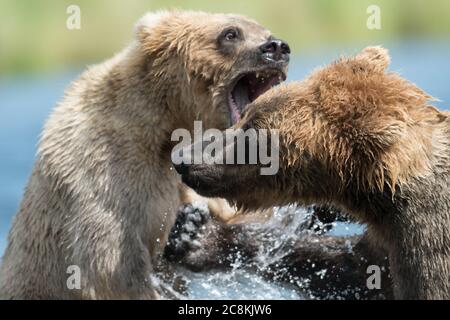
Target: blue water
[(26, 101)]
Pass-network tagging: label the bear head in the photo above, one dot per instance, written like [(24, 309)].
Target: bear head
[(350, 127), (210, 66)]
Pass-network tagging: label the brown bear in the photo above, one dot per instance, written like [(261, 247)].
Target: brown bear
[(364, 139), (103, 194)]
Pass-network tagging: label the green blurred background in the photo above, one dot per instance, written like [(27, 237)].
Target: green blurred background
[(34, 37)]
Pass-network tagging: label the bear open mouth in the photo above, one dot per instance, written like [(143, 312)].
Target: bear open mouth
[(250, 86)]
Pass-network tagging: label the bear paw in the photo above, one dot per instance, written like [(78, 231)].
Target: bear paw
[(190, 221)]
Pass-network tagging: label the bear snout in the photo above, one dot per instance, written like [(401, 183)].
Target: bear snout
[(276, 50), (182, 168)]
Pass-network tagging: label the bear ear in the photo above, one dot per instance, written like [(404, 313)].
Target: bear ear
[(150, 27), (378, 57)]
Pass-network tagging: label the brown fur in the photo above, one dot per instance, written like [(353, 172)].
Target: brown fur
[(103, 194), (366, 140)]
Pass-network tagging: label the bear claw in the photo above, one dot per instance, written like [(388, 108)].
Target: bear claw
[(190, 220)]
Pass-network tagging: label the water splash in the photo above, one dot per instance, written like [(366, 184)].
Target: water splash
[(237, 284), (246, 281)]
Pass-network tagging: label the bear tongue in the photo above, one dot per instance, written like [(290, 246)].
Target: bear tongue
[(235, 114)]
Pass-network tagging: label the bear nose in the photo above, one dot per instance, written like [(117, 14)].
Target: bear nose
[(275, 50), (182, 168)]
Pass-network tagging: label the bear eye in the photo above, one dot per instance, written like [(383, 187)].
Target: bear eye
[(230, 35)]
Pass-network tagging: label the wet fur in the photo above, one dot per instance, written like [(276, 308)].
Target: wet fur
[(102, 194)]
